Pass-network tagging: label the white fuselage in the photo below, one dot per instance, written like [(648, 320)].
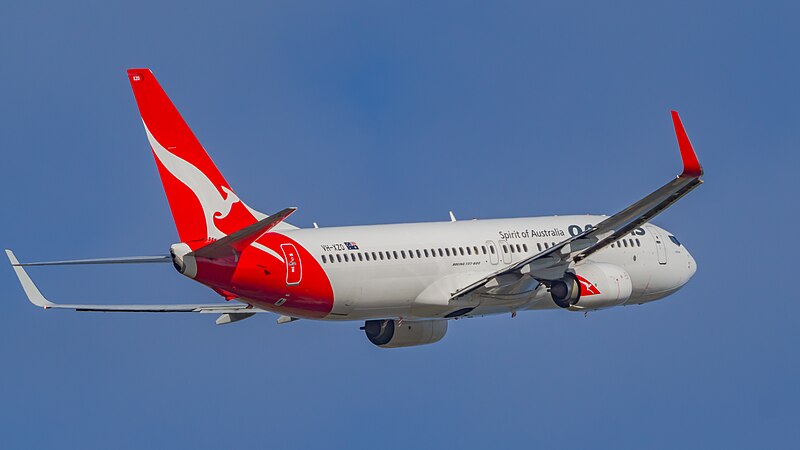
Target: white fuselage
[(412, 270)]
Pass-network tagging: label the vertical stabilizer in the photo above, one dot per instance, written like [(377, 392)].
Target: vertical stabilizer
[(203, 204)]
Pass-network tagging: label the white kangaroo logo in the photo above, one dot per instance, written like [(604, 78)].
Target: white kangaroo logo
[(213, 203)]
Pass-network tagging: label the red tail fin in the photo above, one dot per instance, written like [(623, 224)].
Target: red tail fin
[(203, 204)]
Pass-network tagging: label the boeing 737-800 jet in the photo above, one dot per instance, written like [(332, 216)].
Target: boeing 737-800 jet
[(405, 281)]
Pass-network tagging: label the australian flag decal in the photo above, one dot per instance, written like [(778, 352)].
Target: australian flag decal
[(351, 245)]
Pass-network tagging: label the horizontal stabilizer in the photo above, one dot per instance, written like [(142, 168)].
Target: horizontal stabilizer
[(239, 240)]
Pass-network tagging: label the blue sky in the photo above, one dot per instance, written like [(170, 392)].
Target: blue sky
[(379, 112)]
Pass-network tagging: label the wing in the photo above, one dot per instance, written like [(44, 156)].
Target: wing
[(552, 263), (37, 298), (123, 260)]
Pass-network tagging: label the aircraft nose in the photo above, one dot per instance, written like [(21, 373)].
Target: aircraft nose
[(691, 267)]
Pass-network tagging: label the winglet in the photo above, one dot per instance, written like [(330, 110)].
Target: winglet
[(691, 166), (34, 295)]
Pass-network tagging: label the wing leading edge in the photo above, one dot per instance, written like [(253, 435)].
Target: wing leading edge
[(553, 263)]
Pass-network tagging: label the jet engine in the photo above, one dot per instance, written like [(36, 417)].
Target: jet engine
[(592, 286), (395, 333), (566, 291)]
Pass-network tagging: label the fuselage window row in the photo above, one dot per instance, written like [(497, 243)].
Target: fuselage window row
[(442, 252), (424, 253), (626, 243)]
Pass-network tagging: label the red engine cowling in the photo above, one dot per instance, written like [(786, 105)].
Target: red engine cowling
[(601, 286)]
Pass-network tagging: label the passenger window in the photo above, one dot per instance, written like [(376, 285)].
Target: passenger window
[(447, 250), (511, 248), (426, 252), (381, 255), (539, 246), (323, 259), (475, 248), (483, 248), (638, 244), (440, 253), (519, 249), (525, 247), (419, 254), (346, 259), (366, 255), (469, 252), (491, 249), (339, 257), (461, 249), (394, 253), (505, 248), (624, 243), (403, 254), (360, 257), (455, 252)]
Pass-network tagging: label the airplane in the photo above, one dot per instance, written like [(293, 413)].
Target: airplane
[(404, 281)]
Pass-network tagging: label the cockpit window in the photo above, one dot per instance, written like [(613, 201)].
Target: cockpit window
[(675, 240)]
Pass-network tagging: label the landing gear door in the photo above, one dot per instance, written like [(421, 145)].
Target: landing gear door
[(294, 267)]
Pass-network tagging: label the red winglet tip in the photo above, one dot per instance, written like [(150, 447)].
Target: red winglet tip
[(691, 166)]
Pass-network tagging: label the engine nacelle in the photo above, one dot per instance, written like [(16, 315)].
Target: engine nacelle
[(602, 286), (394, 333), (593, 286)]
